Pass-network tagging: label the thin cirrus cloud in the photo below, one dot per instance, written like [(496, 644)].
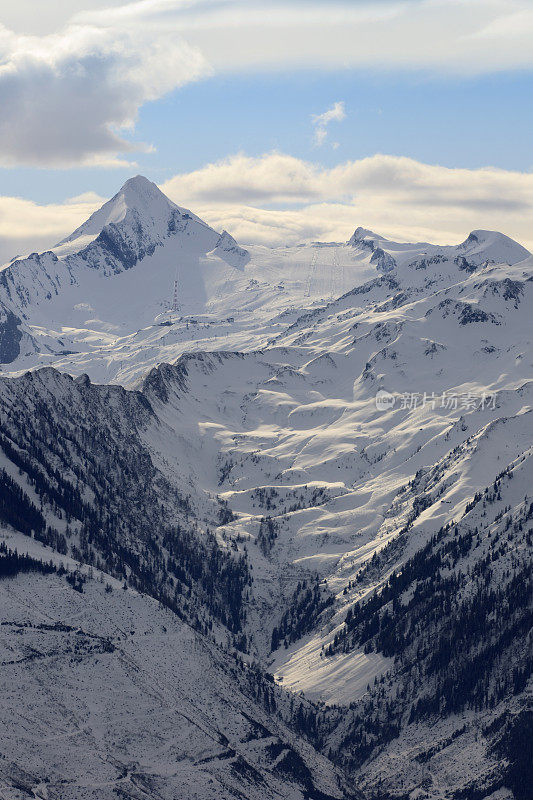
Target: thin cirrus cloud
[(336, 113), (68, 97), (450, 35), (278, 199)]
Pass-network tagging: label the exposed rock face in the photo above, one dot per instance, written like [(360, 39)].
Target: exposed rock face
[(10, 336)]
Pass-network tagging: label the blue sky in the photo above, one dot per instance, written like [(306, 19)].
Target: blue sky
[(465, 121), (184, 91)]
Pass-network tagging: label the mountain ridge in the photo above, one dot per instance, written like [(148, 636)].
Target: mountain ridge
[(56, 311)]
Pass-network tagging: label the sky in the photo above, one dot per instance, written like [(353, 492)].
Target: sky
[(279, 121)]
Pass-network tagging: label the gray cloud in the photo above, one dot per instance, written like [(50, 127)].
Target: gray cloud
[(65, 97)]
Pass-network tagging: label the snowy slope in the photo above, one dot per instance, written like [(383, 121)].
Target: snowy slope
[(274, 489), (462, 699)]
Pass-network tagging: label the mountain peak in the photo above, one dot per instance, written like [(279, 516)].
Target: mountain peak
[(141, 189), (493, 246), (139, 180), (360, 234), (138, 196), (228, 249), (139, 219)]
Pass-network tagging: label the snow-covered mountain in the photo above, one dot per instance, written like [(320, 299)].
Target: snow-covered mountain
[(113, 274), (321, 464), (101, 301)]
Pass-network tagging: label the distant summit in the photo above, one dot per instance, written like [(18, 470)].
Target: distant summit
[(493, 247), (360, 234), (138, 198)]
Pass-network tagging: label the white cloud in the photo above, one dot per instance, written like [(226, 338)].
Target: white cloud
[(336, 113), (511, 26), (399, 197), (280, 178), (65, 97), (423, 34), (27, 227), (26, 16), (272, 178)]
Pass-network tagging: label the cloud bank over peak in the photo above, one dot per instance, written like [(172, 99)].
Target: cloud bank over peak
[(279, 199), (279, 179)]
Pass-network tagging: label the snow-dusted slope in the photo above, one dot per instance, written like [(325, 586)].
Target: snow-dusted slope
[(104, 694), (455, 622)]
